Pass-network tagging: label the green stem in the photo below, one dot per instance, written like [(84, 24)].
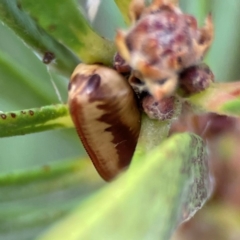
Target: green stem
[(152, 133), (34, 120)]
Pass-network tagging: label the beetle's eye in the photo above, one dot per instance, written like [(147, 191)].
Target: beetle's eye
[(162, 81)]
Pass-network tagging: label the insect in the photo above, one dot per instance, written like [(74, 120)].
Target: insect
[(160, 44), (105, 113)]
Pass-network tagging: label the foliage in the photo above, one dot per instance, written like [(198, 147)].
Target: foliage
[(46, 178)]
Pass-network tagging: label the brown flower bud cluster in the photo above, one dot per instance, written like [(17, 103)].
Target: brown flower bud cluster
[(162, 43), (163, 51)]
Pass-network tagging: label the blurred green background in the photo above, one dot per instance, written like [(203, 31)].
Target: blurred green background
[(25, 82), (33, 87)]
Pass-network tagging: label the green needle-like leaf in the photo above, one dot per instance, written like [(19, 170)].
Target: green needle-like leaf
[(12, 14), (34, 120), (30, 201), (64, 21), (123, 6), (165, 187)]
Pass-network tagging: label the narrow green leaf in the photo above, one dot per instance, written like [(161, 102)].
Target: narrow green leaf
[(22, 79), (123, 6), (12, 14), (149, 201), (221, 98), (42, 173), (34, 120), (64, 21), (30, 201)]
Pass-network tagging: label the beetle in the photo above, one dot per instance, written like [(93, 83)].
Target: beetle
[(161, 44), (104, 111)]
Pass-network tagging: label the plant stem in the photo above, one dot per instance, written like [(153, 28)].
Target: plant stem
[(151, 135), (34, 120)]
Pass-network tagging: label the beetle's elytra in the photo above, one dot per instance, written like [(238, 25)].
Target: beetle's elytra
[(104, 110)]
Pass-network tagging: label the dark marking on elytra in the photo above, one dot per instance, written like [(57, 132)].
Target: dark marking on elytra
[(123, 138), (31, 112), (92, 84), (13, 115), (3, 116), (23, 112), (76, 111), (78, 80)]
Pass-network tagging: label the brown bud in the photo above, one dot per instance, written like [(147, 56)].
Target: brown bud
[(166, 109), (196, 78), (104, 111)]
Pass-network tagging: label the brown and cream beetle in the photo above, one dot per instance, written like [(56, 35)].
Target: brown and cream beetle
[(162, 48), (104, 111), (161, 43)]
